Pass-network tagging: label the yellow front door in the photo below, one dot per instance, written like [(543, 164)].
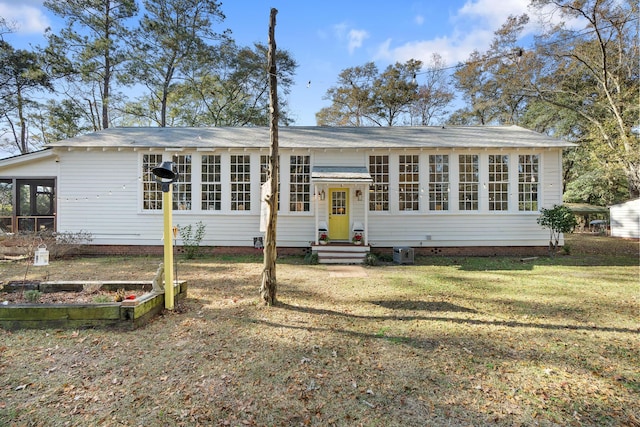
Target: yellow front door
[(338, 214)]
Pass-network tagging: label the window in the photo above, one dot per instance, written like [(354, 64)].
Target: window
[(182, 189), (379, 189), (409, 179), (468, 186), (240, 183), (211, 186), (439, 182), (264, 173), (299, 187), (528, 182), (498, 183), (151, 190), (35, 204), (6, 205)]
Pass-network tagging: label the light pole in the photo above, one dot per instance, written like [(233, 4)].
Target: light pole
[(166, 176)]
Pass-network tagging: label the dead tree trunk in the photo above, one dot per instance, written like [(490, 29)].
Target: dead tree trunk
[(269, 286)]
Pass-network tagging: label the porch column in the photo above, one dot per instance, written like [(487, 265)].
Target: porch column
[(366, 215), (316, 197)]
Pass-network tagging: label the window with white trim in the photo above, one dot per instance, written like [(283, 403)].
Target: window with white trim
[(468, 177), (498, 182), (211, 183), (151, 189), (240, 181), (528, 182), (439, 182), (379, 189), (299, 184), (182, 188), (409, 179)]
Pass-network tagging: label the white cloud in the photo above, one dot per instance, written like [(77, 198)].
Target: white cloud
[(472, 27), (28, 18), (419, 19), (356, 37), (452, 50), (492, 13)]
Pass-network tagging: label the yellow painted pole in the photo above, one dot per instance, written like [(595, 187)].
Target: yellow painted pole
[(167, 207)]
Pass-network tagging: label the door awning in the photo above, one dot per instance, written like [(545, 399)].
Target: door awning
[(341, 174)]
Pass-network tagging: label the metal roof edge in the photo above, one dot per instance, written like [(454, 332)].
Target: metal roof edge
[(27, 157)]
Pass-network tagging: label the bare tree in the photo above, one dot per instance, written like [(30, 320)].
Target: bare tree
[(269, 286), (434, 95)]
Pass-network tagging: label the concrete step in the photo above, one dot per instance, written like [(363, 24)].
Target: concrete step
[(341, 253)]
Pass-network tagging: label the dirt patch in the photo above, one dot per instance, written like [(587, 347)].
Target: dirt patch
[(68, 297), (347, 271)]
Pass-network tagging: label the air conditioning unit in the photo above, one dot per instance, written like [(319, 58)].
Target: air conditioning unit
[(403, 255)]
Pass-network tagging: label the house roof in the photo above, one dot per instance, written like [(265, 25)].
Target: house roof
[(340, 174), (316, 137), (28, 157)]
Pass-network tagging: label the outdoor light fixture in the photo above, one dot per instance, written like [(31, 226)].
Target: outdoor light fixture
[(322, 195), (166, 176)]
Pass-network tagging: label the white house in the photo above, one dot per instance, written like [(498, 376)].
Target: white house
[(435, 189), (625, 219)]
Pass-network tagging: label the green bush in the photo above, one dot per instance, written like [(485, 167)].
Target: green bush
[(32, 295), (559, 219), (311, 258), (102, 298), (371, 259), (191, 238)]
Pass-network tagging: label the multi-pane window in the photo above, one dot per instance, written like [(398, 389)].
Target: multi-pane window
[(439, 182), (299, 187), (151, 190), (264, 173), (211, 185), (468, 182), (409, 187), (182, 188), (379, 189), (240, 180), (498, 182), (528, 182), (6, 205)]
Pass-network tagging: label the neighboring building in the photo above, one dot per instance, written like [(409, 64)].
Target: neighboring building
[(625, 219), (464, 189)]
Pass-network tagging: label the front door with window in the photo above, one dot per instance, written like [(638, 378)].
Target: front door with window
[(339, 214)]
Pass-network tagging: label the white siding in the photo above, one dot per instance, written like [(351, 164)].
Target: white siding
[(551, 178), (100, 192), (43, 167), (625, 219)]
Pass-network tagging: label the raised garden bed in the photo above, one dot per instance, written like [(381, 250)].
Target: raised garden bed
[(144, 303)]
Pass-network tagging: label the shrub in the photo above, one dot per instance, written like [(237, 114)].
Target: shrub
[(371, 259), (32, 295), (311, 258), (559, 219), (191, 238), (58, 244)]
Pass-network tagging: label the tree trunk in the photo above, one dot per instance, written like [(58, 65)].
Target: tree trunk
[(269, 286), (106, 93)]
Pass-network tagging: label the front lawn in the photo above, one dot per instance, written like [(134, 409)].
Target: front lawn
[(466, 341)]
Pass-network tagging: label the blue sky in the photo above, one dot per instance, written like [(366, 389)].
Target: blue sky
[(327, 36)]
